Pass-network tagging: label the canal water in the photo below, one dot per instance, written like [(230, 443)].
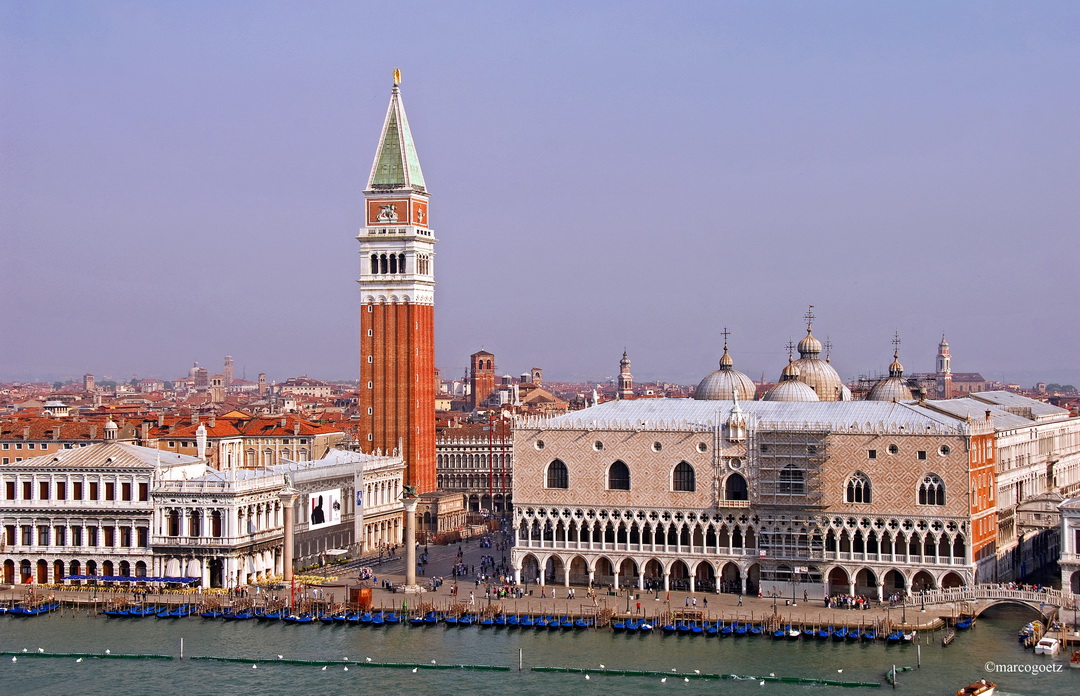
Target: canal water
[(943, 669)]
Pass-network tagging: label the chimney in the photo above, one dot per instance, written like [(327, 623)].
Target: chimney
[(93, 432), (161, 420), (213, 419), (56, 432), (144, 433), (26, 432), (296, 427), (987, 414)]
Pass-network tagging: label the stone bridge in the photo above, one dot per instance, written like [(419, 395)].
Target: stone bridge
[(975, 600)]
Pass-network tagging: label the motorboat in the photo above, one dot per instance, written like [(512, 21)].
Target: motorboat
[(1048, 646), (1074, 661), (979, 688)]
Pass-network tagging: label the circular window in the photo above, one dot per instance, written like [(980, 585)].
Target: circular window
[(944, 450), (539, 444), (598, 445), (702, 447), (656, 447), (734, 463), (893, 449)]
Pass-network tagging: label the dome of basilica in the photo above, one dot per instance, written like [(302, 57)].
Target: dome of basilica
[(721, 384), (893, 387), (818, 374), (790, 388)]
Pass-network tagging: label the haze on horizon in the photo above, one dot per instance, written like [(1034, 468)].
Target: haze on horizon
[(183, 181)]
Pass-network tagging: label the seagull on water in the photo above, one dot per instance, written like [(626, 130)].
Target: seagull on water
[(24, 649), (686, 679), (254, 666), (663, 680), (14, 659), (414, 670), (346, 669), (367, 659), (41, 650), (761, 683), (281, 657), (433, 662), (79, 660), (324, 668), (108, 652), (839, 671), (772, 674), (697, 671), (587, 677)]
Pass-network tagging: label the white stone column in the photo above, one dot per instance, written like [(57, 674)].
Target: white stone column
[(410, 543), (667, 582), (615, 575), (566, 575), (881, 592), (288, 496)]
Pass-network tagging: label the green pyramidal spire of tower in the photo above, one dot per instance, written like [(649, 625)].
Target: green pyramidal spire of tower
[(396, 164)]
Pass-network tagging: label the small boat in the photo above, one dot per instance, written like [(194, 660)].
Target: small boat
[(793, 633), (365, 618), (566, 623), (964, 624), (242, 615), (271, 615), (378, 619), (540, 622), (726, 631), (682, 628), (1048, 646), (464, 621), (840, 634), (631, 626), (580, 624), (449, 621), (894, 637), (949, 638), (741, 629), (696, 629), (486, 623), (779, 634), (979, 688), (525, 621), (645, 627), (512, 621), (755, 630), (117, 613), (909, 636), (711, 630), (1074, 661), (353, 619), (214, 614), (869, 634), (852, 634), (500, 621), (824, 633), (327, 619), (391, 617), (668, 629), (430, 619)]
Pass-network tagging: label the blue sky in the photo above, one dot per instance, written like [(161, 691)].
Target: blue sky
[(183, 181)]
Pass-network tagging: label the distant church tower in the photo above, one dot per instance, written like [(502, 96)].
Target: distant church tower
[(944, 370), (481, 377), (397, 298), (626, 380)]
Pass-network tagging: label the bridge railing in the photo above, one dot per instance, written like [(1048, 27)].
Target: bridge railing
[(1057, 598)]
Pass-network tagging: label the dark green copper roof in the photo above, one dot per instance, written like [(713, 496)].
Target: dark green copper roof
[(396, 163)]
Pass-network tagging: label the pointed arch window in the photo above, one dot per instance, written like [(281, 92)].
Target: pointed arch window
[(619, 477), (932, 490), (735, 488), (683, 478), (557, 475), (858, 488), (792, 481)]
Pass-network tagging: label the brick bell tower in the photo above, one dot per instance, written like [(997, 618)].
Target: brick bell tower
[(397, 303)]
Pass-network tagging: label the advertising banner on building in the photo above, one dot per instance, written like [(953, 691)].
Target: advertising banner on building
[(324, 508)]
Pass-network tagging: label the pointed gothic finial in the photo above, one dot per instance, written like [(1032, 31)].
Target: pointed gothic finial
[(397, 77)]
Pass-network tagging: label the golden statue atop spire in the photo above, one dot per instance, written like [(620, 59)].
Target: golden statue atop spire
[(397, 77)]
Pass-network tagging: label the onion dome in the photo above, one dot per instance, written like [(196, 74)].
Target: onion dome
[(725, 383), (790, 388), (893, 387), (816, 373)]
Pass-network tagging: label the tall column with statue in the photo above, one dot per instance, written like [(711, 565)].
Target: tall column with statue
[(288, 496), (409, 499)]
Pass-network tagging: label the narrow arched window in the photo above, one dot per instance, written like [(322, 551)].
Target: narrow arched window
[(735, 488), (374, 264), (393, 263), (401, 263), (683, 478), (932, 490), (557, 475), (619, 477), (858, 488), (382, 263), (791, 481)]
